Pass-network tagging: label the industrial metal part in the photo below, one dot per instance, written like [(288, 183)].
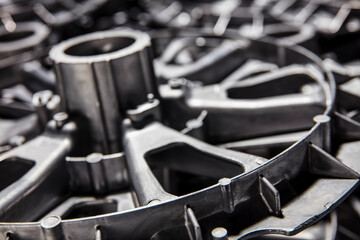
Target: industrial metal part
[(100, 75), (204, 120)]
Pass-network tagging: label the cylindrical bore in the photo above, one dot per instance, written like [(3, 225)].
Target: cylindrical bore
[(100, 76)]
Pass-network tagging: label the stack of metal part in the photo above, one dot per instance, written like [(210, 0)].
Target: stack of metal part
[(144, 119)]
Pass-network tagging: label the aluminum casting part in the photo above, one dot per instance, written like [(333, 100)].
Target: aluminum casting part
[(220, 197), (98, 173), (25, 126), (39, 102), (335, 23), (110, 203), (324, 230), (37, 77), (18, 117), (303, 36), (219, 15), (234, 45), (321, 167), (348, 95), (250, 18), (279, 140), (328, 17), (26, 36), (51, 227), (232, 115), (27, 42), (35, 174), (317, 135), (54, 13), (219, 233), (146, 186), (213, 99), (100, 76), (228, 51), (323, 189)]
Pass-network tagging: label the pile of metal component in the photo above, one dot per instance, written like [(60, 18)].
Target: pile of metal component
[(144, 119)]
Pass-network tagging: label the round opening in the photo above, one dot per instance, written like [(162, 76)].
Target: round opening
[(99, 46), (15, 36)]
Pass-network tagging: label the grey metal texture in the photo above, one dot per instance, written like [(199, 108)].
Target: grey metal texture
[(179, 120), (53, 13), (100, 75)]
